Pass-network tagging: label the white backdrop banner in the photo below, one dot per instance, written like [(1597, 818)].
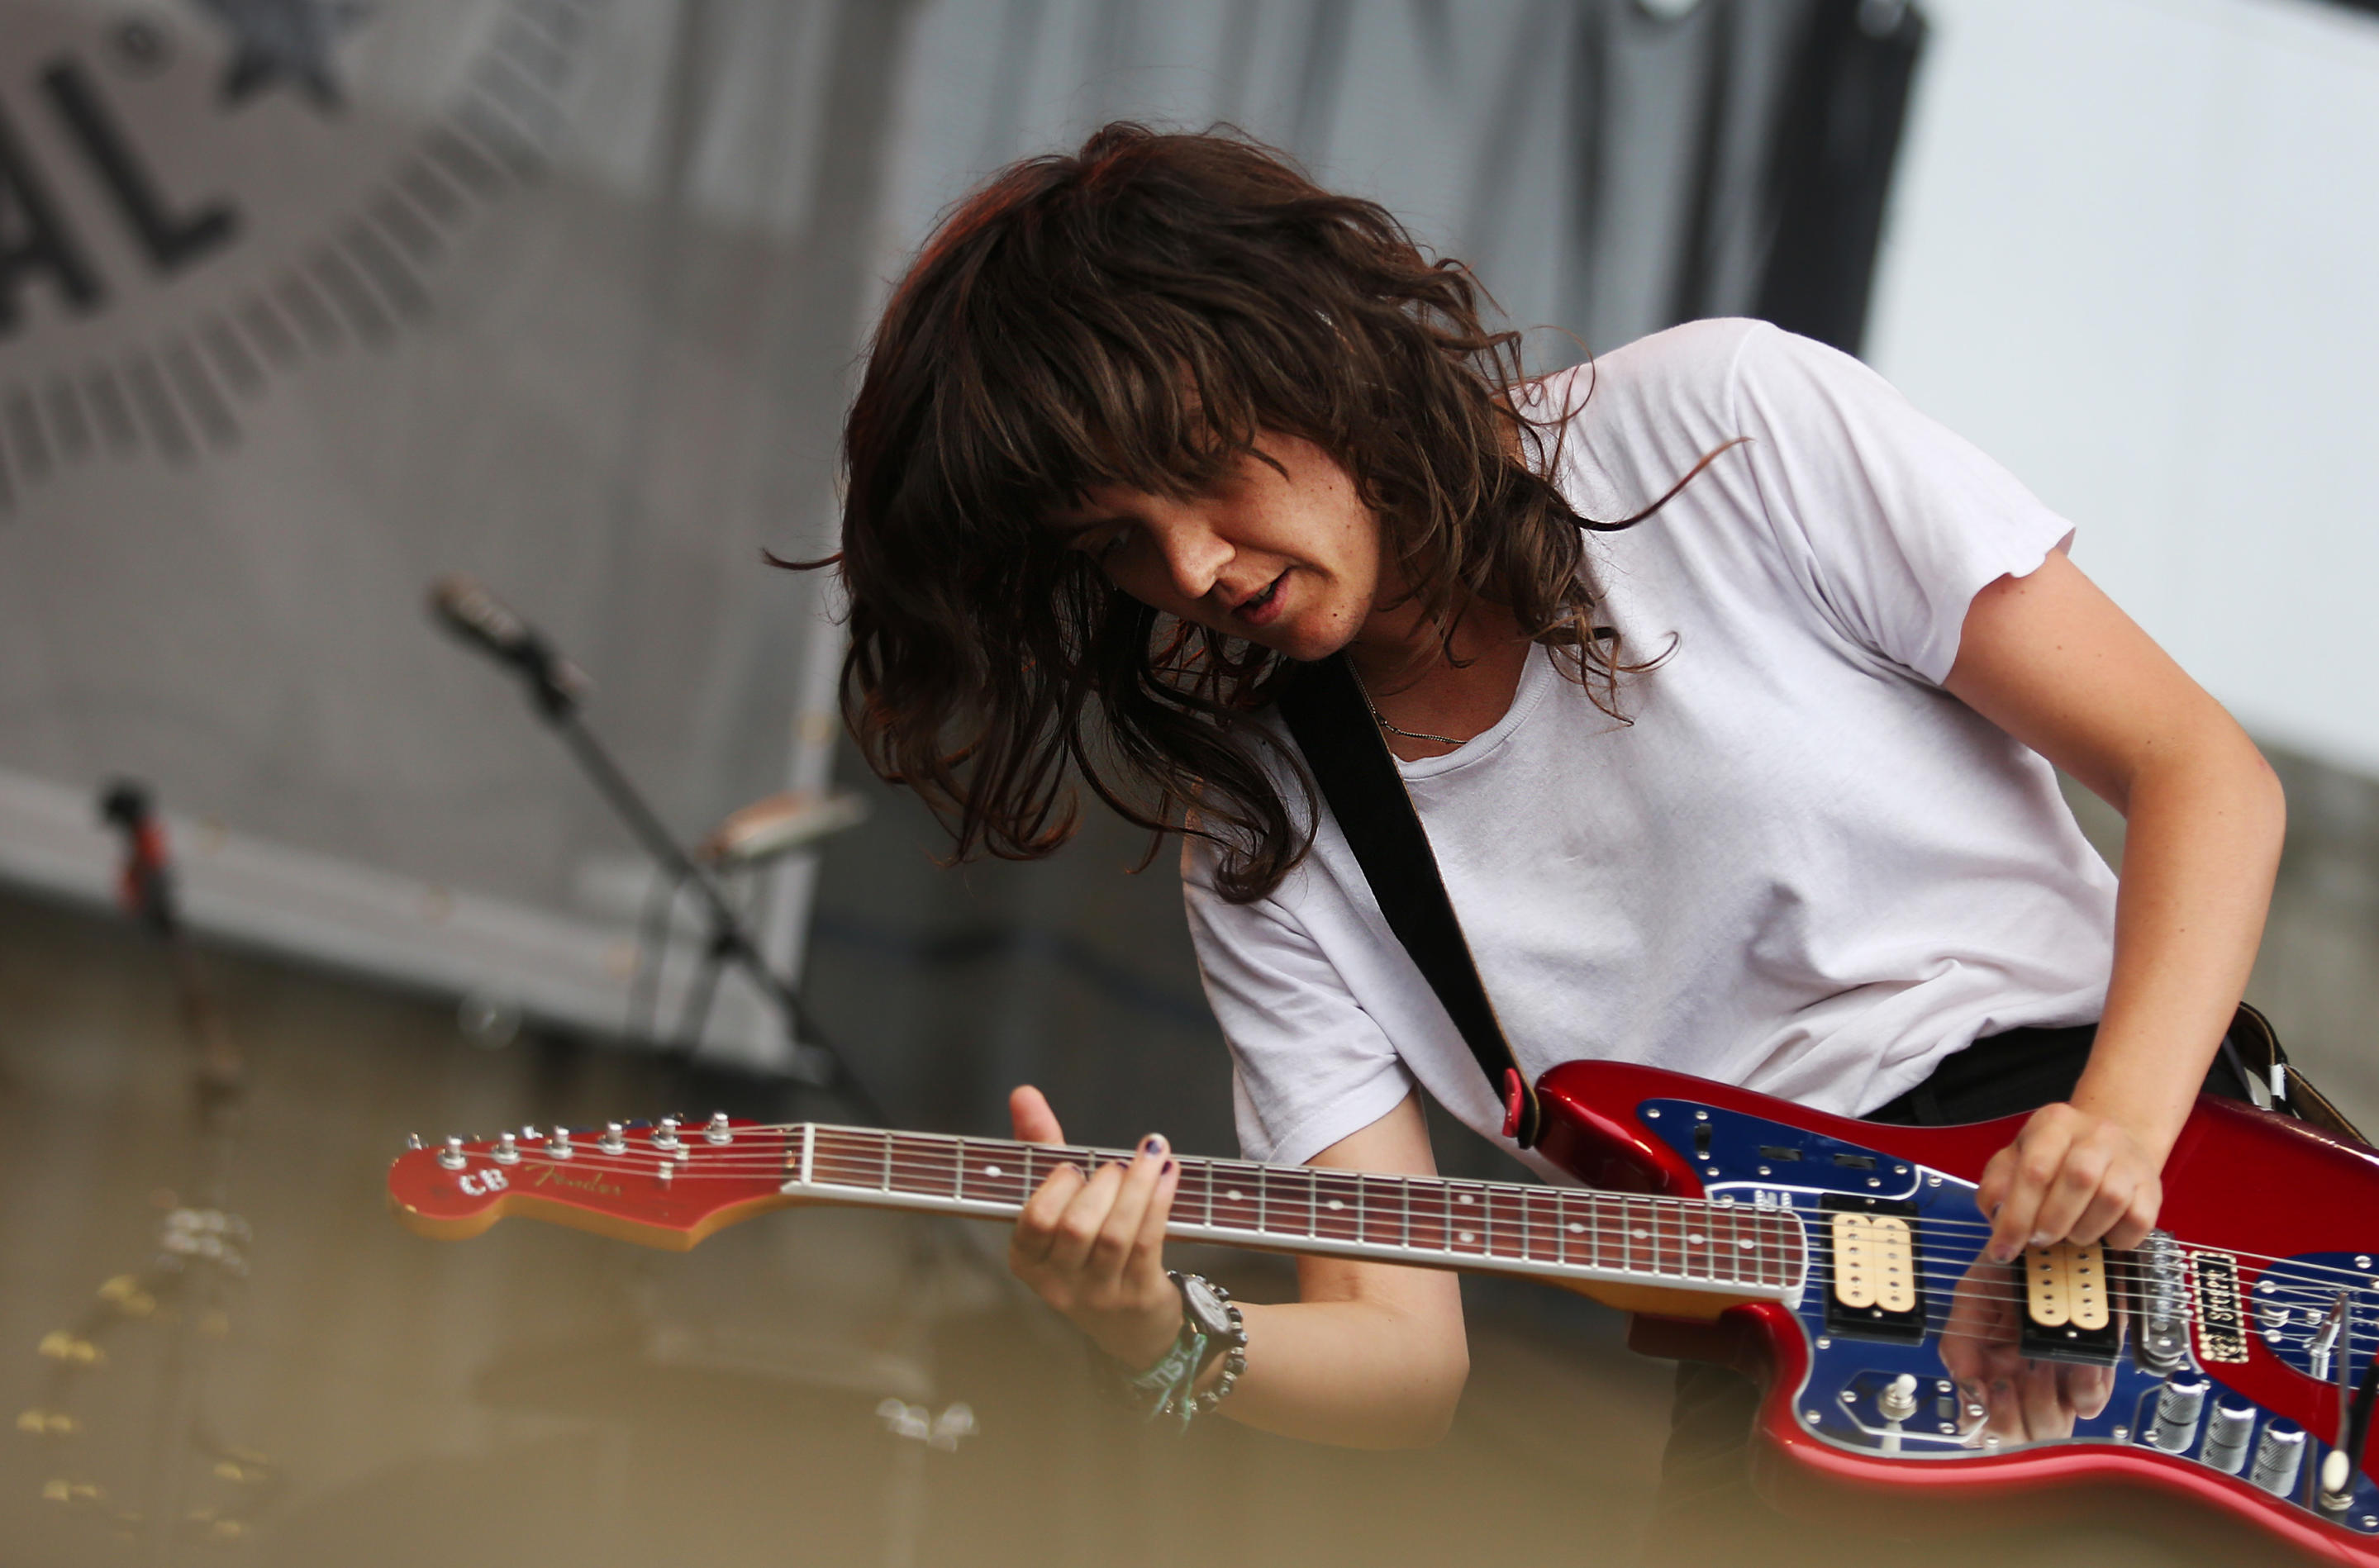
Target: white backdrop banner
[(305, 301)]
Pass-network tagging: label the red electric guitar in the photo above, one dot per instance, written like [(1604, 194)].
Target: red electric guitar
[(2229, 1360)]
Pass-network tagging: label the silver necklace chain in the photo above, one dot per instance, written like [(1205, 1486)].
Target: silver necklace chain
[(1393, 730)]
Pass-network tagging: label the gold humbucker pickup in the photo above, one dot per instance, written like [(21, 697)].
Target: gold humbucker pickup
[(2068, 1304), (2067, 1284), (2221, 1316), (1878, 1282), (1874, 1261)]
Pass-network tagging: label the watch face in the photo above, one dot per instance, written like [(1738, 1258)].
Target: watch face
[(1204, 1307)]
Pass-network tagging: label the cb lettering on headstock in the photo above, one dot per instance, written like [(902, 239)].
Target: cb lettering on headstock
[(483, 1184)]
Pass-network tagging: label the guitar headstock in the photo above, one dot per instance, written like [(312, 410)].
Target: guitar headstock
[(660, 1184)]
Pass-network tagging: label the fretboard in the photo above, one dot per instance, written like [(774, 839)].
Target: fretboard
[(1499, 1227)]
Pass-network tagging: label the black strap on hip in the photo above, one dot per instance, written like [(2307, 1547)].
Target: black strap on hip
[(1332, 723)]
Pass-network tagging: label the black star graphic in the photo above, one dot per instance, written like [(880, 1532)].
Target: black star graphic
[(283, 38)]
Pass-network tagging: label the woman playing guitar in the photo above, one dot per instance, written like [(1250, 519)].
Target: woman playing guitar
[(1726, 684)]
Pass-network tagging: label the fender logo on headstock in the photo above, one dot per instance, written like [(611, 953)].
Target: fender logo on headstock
[(2221, 1325), (586, 1181)]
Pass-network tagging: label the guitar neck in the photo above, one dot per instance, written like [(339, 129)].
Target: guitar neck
[(1648, 1253)]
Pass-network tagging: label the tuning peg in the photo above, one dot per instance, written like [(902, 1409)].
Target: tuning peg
[(558, 1146), (412, 1140), (452, 1155), (529, 1133), (665, 1136), (717, 1131), (507, 1152), (614, 1139)]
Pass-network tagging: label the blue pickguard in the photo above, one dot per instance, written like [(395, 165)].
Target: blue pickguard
[(1771, 1164)]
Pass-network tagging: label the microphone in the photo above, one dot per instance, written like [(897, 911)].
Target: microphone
[(476, 616)]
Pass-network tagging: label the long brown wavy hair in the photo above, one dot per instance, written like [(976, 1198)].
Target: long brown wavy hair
[(1134, 315)]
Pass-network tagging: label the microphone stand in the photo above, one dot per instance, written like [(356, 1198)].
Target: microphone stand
[(555, 691)]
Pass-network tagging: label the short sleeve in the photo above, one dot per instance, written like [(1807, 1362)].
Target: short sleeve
[(1894, 523), (1309, 1066)]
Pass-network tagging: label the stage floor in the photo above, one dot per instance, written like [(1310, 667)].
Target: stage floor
[(539, 1396)]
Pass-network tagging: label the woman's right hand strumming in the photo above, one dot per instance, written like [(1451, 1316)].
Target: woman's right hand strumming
[(1092, 1243)]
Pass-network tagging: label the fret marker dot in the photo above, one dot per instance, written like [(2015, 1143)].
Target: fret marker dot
[(1744, 1243), (1696, 1238), (991, 1170), (1466, 1236), (1333, 1204), (1576, 1229), (1640, 1235), (1235, 1195), (1462, 1197)]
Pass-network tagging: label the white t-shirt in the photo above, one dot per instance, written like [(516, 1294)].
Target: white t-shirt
[(1803, 867)]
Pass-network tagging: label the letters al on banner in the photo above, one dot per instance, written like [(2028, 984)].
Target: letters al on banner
[(199, 198)]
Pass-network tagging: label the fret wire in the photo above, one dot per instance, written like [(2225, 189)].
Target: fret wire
[(1361, 1233), (1262, 1195), (1445, 1201), (1404, 1212), (1312, 1202)]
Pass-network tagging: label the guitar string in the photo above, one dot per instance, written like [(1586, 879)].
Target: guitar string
[(1531, 1248), (774, 1161)]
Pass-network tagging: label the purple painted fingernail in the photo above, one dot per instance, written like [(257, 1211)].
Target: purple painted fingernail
[(1168, 1170), (1155, 1145)]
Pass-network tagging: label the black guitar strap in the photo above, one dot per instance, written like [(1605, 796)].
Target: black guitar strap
[(1331, 724)]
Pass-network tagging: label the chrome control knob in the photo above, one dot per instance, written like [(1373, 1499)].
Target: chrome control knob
[(2278, 1457), (2226, 1433), (2178, 1408)]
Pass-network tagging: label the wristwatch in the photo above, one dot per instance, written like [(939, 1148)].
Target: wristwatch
[(1209, 1322), (1207, 1309)]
